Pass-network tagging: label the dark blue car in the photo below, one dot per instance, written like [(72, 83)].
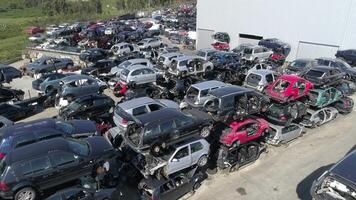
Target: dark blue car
[(8, 73), (48, 64), (348, 55), (276, 45), (220, 59), (22, 134)]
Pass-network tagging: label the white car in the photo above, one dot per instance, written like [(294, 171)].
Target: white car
[(165, 59), (122, 48), (150, 43), (256, 53), (139, 61), (315, 118), (189, 65)]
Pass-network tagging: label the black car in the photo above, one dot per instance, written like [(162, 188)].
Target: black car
[(234, 102), (8, 94), (284, 114), (300, 66), (91, 107), (173, 188), (8, 73), (100, 67), (47, 78), (29, 170), (84, 194), (276, 45), (350, 72), (93, 55), (348, 55), (22, 109), (339, 182), (155, 130), (324, 76), (48, 64)]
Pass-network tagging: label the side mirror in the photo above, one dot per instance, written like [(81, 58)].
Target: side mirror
[(175, 160)]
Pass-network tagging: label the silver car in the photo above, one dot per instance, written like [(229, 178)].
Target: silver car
[(206, 54), (189, 65), (139, 106), (150, 43), (79, 85), (179, 157), (283, 134), (315, 118), (138, 61), (197, 94), (122, 48), (256, 53), (138, 74), (259, 79), (165, 59)]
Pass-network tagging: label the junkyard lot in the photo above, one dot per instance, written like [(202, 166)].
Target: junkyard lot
[(284, 172)]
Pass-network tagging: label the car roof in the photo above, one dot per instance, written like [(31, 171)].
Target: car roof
[(134, 103), (158, 115), (137, 60), (346, 167), (262, 72), (185, 57), (221, 92), (36, 149), (208, 84), (76, 77), (134, 67), (322, 68), (31, 125)]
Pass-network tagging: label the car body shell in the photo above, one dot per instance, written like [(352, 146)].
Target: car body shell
[(189, 65), (324, 76), (283, 134), (260, 79), (284, 114), (137, 61), (164, 60), (256, 53), (319, 117), (122, 48), (323, 97), (300, 66), (138, 74), (148, 43)]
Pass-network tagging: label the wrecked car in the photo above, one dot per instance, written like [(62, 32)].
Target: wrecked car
[(344, 105), (93, 55), (221, 46), (256, 54), (338, 181), (137, 61), (164, 60), (278, 135), (288, 88), (48, 83), (173, 187), (284, 114), (155, 131), (350, 72), (206, 54), (348, 55), (101, 67), (220, 59), (197, 94), (300, 66), (324, 76), (91, 107), (138, 75), (315, 118), (8, 94), (123, 48), (48, 64), (276, 45), (8, 73), (150, 43), (189, 65), (240, 132), (234, 102), (137, 107), (221, 37), (175, 158), (323, 97), (260, 79)]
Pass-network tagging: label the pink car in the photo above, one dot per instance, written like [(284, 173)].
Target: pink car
[(244, 131), (288, 87)]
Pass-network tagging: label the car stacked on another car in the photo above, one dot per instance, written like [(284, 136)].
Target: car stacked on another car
[(323, 76)]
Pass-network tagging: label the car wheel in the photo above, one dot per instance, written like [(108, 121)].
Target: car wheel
[(205, 132), (26, 193), (202, 161)]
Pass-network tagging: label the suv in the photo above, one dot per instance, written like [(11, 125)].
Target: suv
[(260, 79), (300, 66), (29, 170), (206, 54), (197, 94), (164, 127), (139, 106), (165, 59), (138, 74), (324, 76), (338, 181), (256, 53), (233, 102), (177, 157), (189, 65), (150, 43)]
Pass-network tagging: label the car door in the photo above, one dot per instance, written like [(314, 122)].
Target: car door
[(135, 76), (66, 166), (167, 191), (290, 132), (149, 75), (252, 131), (185, 125), (181, 159), (182, 186), (89, 86), (195, 150)]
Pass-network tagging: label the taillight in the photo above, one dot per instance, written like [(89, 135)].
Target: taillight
[(2, 155), (3, 186)]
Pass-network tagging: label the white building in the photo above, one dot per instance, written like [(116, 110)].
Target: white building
[(313, 28)]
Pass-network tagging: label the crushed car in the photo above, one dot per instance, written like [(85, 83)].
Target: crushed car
[(318, 117), (278, 135)]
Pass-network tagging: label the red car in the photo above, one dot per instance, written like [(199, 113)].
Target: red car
[(33, 30), (244, 131), (120, 89), (288, 87), (221, 46)]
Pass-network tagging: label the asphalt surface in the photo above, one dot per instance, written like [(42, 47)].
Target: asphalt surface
[(285, 172)]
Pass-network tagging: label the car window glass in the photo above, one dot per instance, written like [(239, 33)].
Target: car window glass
[(148, 71), (155, 107), (24, 139), (139, 110), (251, 129), (40, 164), (269, 78), (182, 153), (196, 147), (61, 159), (203, 93), (151, 131), (45, 135), (167, 127), (136, 72), (183, 121)]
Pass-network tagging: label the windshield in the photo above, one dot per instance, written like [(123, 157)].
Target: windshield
[(64, 126), (314, 73), (298, 64), (201, 54), (248, 51), (125, 64), (125, 72), (79, 147)]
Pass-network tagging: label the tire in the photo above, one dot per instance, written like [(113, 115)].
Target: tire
[(202, 161), (26, 193), (205, 132)]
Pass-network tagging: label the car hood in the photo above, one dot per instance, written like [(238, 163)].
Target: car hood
[(99, 146), (83, 126)]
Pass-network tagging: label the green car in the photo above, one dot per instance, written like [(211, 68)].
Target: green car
[(324, 97)]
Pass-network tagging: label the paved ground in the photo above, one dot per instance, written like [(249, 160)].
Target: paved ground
[(283, 173)]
